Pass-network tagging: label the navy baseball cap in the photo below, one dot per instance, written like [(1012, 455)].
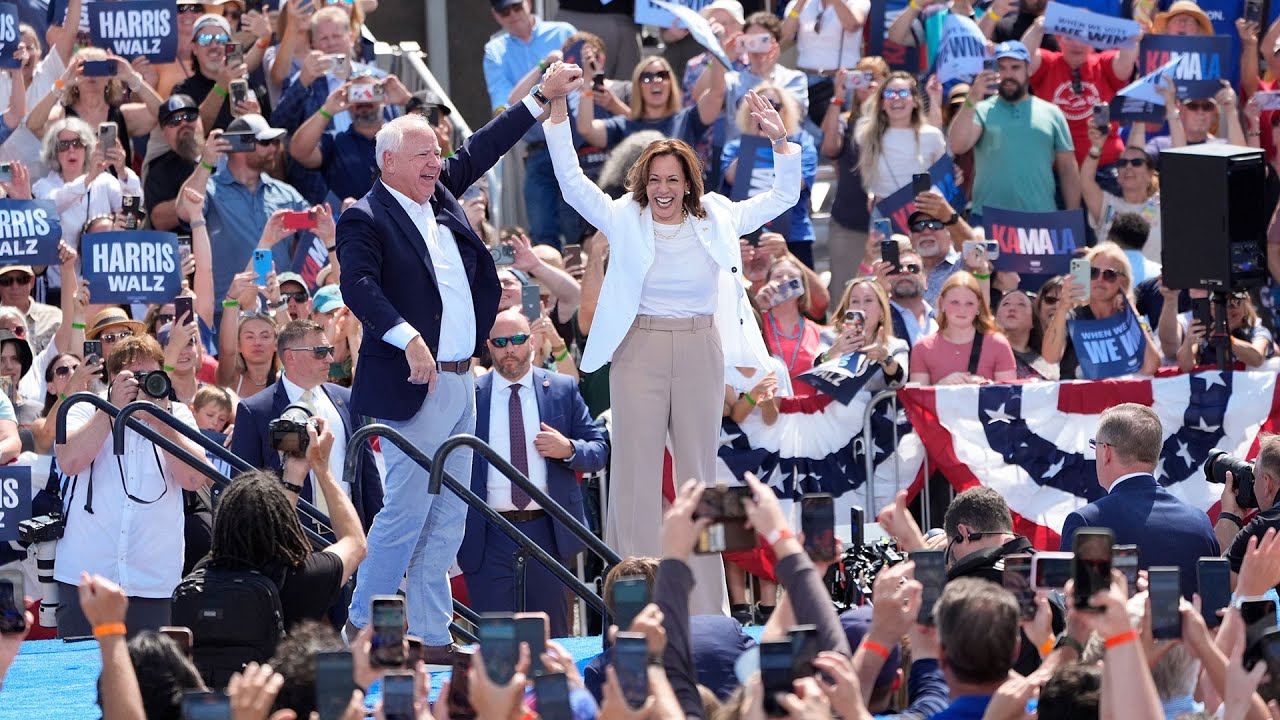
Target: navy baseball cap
[(1013, 49), (856, 622)]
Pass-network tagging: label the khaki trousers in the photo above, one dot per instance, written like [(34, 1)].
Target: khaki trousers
[(667, 377), (846, 248)]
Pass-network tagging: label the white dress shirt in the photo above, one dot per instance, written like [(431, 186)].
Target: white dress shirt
[(458, 320), (1116, 483), (323, 407), (500, 439)]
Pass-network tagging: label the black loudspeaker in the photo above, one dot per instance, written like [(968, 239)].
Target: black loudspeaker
[(1212, 218)]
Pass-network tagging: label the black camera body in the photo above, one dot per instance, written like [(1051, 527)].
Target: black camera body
[(43, 528), (1216, 467), (288, 432), (155, 383)]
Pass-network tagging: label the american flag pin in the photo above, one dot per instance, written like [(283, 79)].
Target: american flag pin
[(546, 383)]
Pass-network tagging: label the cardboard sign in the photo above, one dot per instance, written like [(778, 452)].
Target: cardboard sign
[(962, 50), (15, 500), (1035, 243), (1100, 31), (652, 12), (29, 232), (131, 266), (1108, 348), (136, 28), (754, 174), (899, 205)]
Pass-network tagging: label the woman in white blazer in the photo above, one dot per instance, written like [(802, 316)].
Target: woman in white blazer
[(673, 312)]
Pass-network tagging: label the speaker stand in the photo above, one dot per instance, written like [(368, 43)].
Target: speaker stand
[(1220, 333)]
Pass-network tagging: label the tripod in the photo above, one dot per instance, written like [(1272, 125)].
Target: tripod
[(1220, 333)]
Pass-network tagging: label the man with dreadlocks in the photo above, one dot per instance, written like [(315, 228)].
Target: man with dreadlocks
[(256, 528)]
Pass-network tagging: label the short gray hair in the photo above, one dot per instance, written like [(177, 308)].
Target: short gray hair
[(1133, 431), (49, 144), (391, 136)]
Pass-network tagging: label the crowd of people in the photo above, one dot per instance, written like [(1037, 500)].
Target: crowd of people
[(659, 294)]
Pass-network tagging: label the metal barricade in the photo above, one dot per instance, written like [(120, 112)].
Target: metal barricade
[(891, 396)]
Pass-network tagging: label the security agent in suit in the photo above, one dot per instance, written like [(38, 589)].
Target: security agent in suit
[(305, 355), (513, 402), (1266, 488), (426, 290), (1136, 508)]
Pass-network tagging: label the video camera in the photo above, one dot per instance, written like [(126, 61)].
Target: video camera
[(288, 432), (1216, 467)]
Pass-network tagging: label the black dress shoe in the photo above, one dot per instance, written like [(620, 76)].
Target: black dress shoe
[(439, 654)]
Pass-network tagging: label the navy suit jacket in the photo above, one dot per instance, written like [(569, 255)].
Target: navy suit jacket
[(561, 406), (388, 277), (1166, 530), (251, 441)]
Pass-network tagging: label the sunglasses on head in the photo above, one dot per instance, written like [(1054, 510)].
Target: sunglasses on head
[(207, 39), (180, 117), (891, 93), (319, 352), (108, 338), (1201, 105), (501, 342), (11, 280), (65, 370), (299, 297), (1131, 162), (653, 77), (1106, 274), (922, 225), (65, 145)]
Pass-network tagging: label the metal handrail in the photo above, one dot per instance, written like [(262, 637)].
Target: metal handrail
[(351, 470), (870, 483)]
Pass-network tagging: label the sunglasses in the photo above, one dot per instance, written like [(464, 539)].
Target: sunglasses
[(65, 370), (190, 9), (1131, 162), (207, 39), (11, 280), (776, 105), (108, 338), (900, 93), (1201, 105), (339, 2), (1049, 299), (268, 143), (922, 225), (65, 145), (233, 16), (501, 342), (1108, 274), (181, 117), (162, 320), (299, 297), (319, 352), (909, 269), (511, 10), (653, 77)]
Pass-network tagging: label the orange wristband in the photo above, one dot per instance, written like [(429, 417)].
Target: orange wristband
[(108, 629), (1047, 647), (875, 647), (1117, 640)]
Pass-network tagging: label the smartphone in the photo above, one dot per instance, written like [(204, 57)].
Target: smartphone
[(975, 248), (804, 649), (460, 686), (889, 252), (1213, 578), (131, 207), (397, 696), (755, 43), (1269, 647), (728, 531), (239, 92), (205, 705), (858, 79), (1125, 558), (1016, 578), (498, 643), (921, 183), (856, 320), (433, 114), (1051, 570), (183, 309), (993, 250), (1091, 567), (255, 6), (1252, 10), (990, 64), (931, 571), (366, 93), (788, 290), (1166, 590), (883, 226), (13, 619), (234, 54), (334, 682), (1201, 312), (531, 302), (262, 265), (241, 142), (630, 596), (299, 220), (413, 651), (180, 635), (775, 674), (98, 68), (597, 82), (818, 523), (387, 618), (572, 255), (184, 248), (6, 172), (1102, 116), (857, 520), (552, 692), (531, 629), (92, 349), (1259, 618), (503, 254), (1080, 271), (631, 663), (108, 134)]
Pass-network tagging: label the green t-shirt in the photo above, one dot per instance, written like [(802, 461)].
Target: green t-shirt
[(1015, 155)]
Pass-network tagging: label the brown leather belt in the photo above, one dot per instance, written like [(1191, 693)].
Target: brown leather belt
[(519, 516), (457, 367)]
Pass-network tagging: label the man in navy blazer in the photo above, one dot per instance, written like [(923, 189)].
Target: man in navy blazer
[(426, 289), (559, 440), (1136, 508), (305, 354)]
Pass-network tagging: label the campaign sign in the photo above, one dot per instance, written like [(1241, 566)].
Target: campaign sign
[(899, 205), (15, 500), (962, 50), (9, 35), (843, 377), (699, 29), (137, 28), (1202, 61), (1140, 100), (649, 12), (131, 266), (29, 232), (880, 19), (1100, 31), (1035, 243), (755, 168), (1110, 347)]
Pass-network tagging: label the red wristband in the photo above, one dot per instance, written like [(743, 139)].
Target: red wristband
[(875, 647), (1120, 639)]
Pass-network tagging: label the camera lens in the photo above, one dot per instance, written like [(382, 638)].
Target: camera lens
[(156, 384)]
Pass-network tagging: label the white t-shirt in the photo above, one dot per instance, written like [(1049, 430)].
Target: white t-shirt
[(901, 156), (831, 47), (23, 145), (1113, 205), (683, 280)]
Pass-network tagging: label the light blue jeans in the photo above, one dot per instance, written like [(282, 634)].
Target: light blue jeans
[(416, 531)]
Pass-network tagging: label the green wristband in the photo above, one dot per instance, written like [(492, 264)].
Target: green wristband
[(169, 369), (325, 114), (982, 277), (218, 89), (560, 358), (750, 399), (230, 303), (77, 326), (206, 165)]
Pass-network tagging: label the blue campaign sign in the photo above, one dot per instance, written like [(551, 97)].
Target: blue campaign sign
[(131, 266), (755, 168), (650, 13), (9, 35), (1202, 61), (15, 500), (29, 232), (136, 28), (843, 377), (1110, 347), (1035, 243), (899, 57), (1223, 15), (899, 205)]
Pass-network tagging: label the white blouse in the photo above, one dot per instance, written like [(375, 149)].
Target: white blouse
[(682, 282)]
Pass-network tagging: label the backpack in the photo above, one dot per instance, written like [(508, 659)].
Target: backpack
[(235, 617)]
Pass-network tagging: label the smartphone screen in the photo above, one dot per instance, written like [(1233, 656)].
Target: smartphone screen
[(889, 254), (630, 596), (183, 309), (921, 183), (857, 522), (931, 571), (552, 692), (818, 523), (1017, 580), (531, 302), (1166, 591), (804, 648), (1102, 116), (184, 248), (531, 629), (1051, 570), (572, 255), (98, 68), (1252, 10), (1259, 616), (204, 705), (334, 683), (262, 266), (775, 674), (498, 643), (460, 686), (1213, 576), (387, 617), (13, 619), (181, 636), (631, 663), (1125, 558), (1092, 566), (397, 696)]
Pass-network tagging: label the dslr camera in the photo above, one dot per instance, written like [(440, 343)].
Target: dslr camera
[(155, 383), (1216, 467), (288, 432), (45, 528)]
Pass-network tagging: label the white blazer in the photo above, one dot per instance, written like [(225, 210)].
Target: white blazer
[(631, 251)]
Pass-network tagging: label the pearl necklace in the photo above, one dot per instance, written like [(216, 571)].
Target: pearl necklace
[(684, 218)]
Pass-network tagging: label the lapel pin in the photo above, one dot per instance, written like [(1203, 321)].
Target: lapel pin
[(546, 383)]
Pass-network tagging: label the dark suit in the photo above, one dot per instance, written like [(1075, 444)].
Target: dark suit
[(486, 555), (1166, 530), (252, 443)]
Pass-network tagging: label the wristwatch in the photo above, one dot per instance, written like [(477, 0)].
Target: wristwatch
[(536, 92), (955, 218), (296, 489)]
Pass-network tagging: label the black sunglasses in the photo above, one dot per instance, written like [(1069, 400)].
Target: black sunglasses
[(109, 338), (653, 77), (64, 145), (510, 10), (65, 370), (1131, 162), (191, 9), (180, 117), (317, 351), (1108, 274), (299, 297), (501, 342), (922, 225), (908, 268), (164, 319), (11, 280)]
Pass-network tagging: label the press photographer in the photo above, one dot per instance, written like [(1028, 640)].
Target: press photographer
[(124, 516), (1245, 487)]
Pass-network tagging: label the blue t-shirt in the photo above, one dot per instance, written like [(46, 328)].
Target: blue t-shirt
[(349, 164), (685, 125), (967, 707)]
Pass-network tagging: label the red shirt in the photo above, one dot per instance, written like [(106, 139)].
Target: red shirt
[(1098, 84)]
